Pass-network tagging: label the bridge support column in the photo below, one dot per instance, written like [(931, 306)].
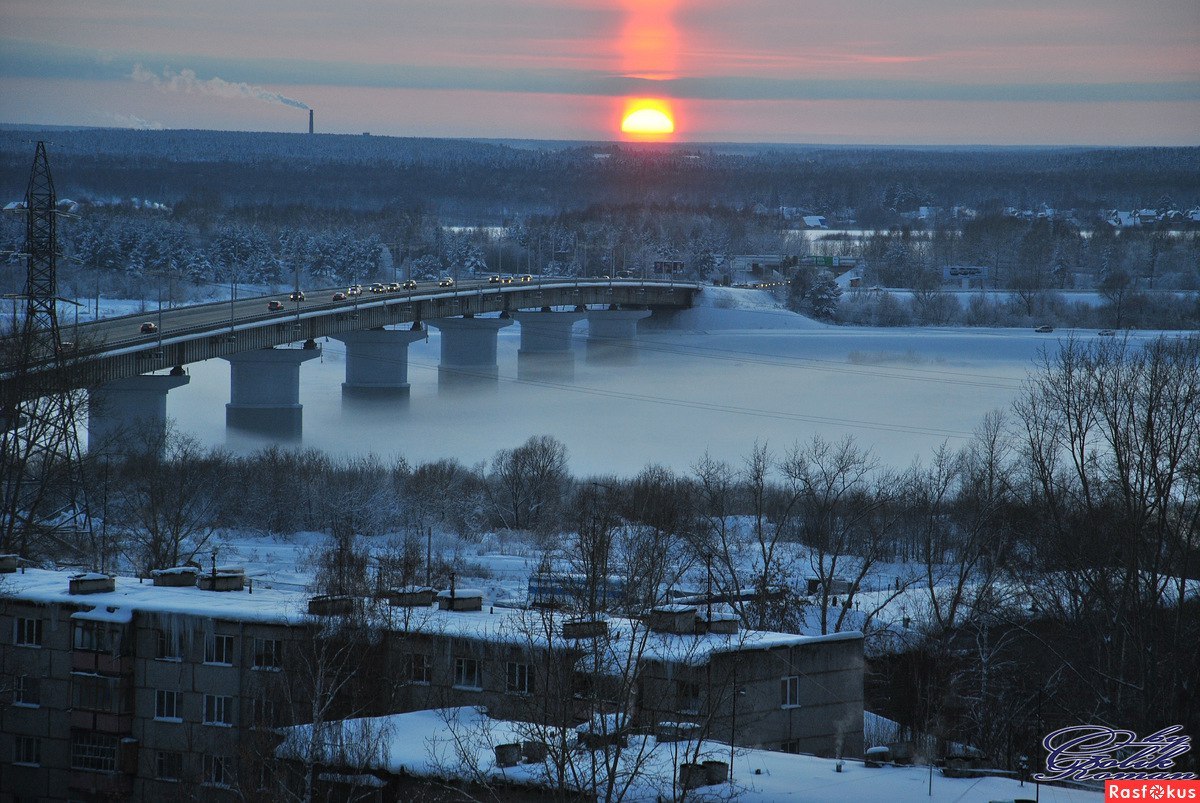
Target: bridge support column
[(546, 351), (611, 335), (130, 415), (377, 361), (264, 390), (468, 351)]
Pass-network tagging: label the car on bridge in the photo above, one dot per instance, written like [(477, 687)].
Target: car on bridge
[(297, 295), (378, 288), (409, 285), (274, 305), (445, 281), (339, 296), (393, 287), (354, 290), (495, 279), (148, 328), (524, 277)]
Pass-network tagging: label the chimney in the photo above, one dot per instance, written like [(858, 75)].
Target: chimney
[(310, 121)]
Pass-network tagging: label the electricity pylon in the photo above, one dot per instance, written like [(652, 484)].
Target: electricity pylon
[(41, 466)]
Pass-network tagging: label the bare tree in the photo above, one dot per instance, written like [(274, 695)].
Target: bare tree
[(527, 483), (1111, 438), (167, 502)]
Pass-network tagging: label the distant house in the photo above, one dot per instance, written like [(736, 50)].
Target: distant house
[(1123, 220), (965, 276), (815, 222)]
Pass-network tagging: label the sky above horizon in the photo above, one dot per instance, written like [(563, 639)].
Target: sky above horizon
[(926, 72)]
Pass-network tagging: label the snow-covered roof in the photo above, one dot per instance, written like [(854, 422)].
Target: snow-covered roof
[(505, 625), (135, 595), (105, 613), (461, 593)]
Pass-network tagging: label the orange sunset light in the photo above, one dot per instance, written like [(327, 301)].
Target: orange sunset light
[(648, 119)]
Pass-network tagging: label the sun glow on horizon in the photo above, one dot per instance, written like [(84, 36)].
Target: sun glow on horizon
[(648, 119)]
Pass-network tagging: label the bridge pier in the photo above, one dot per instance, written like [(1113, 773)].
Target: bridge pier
[(468, 351), (377, 361), (546, 351), (264, 390), (129, 415), (611, 335)]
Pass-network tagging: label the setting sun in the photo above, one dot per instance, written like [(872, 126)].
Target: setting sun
[(648, 119)]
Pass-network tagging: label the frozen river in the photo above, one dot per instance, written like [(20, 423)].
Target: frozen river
[(902, 392)]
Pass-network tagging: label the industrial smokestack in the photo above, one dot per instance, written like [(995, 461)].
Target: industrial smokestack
[(310, 121)]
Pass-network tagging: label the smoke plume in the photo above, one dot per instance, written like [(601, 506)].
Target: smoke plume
[(186, 81)]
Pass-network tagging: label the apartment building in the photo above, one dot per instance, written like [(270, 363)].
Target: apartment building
[(144, 689)]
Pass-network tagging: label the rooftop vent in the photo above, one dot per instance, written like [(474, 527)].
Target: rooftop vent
[(676, 618), (409, 597), (462, 599), (91, 583), (176, 576), (584, 628), (717, 619), (332, 605), (229, 578)]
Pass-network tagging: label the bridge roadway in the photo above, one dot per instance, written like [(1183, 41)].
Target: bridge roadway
[(115, 348)]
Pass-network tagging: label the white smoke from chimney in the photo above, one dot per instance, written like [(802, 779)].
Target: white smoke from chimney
[(186, 81)]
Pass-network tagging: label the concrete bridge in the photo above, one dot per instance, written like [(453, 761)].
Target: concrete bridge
[(116, 361)]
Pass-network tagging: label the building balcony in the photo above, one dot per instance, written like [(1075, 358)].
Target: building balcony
[(102, 783), (102, 721), (100, 663)]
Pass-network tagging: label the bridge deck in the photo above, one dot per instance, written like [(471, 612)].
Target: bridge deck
[(114, 348)]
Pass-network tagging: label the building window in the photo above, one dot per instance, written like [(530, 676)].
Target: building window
[(168, 765), (27, 632), (218, 771), (687, 696), (166, 705), (467, 674), (94, 637), (27, 691), (98, 693), (264, 711), (789, 691), (268, 653), (94, 751), (420, 670), (27, 750), (218, 710), (518, 678), (169, 648), (218, 650)]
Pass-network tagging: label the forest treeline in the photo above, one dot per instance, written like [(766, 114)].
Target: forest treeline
[(188, 214)]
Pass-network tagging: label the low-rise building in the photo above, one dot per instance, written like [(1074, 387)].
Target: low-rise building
[(127, 688)]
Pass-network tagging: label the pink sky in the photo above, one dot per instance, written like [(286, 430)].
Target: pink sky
[(851, 71)]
